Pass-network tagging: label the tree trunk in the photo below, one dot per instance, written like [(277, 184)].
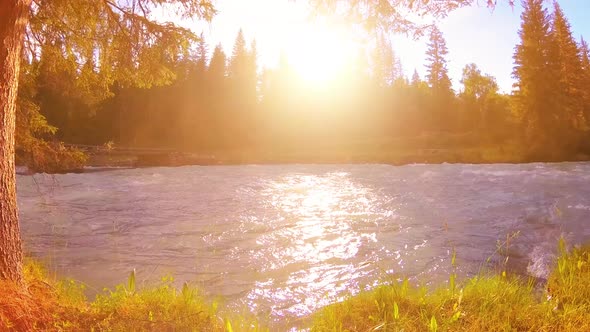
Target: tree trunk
[(13, 19)]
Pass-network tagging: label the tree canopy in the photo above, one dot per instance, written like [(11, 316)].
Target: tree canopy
[(394, 15)]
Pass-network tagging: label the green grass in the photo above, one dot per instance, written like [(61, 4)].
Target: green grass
[(497, 302), (488, 302), (49, 305)]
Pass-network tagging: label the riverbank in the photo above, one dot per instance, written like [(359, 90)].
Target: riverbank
[(424, 149), (488, 302), (490, 155)]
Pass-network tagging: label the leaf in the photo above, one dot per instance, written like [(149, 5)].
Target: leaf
[(132, 281), (404, 289), (433, 324), (228, 327), (456, 316), (185, 290)]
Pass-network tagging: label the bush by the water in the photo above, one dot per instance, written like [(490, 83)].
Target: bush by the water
[(51, 157), (485, 303)]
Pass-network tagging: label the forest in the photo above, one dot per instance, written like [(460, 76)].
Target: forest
[(226, 105), (78, 75)]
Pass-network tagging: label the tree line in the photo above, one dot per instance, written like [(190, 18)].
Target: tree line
[(226, 102), (218, 103)]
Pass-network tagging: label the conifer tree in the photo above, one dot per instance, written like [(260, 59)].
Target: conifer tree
[(438, 76), (565, 60), (386, 65), (416, 78), (534, 92), (584, 55), (239, 58), (440, 84), (202, 54), (252, 69), (585, 80), (217, 66)]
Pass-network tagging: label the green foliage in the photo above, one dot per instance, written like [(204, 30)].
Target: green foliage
[(392, 15), (438, 76), (386, 66), (549, 93), (132, 282), (76, 52), (442, 111), (62, 306), (487, 302), (483, 303), (51, 157), (115, 40), (158, 308)]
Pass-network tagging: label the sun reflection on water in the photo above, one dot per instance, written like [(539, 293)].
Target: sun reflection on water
[(312, 250)]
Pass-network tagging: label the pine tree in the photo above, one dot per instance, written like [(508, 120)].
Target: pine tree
[(565, 58), (202, 54), (585, 79), (534, 92), (239, 58), (252, 69), (217, 66), (416, 78), (386, 65), (438, 76), (584, 55)]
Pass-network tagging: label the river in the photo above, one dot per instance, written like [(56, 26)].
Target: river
[(282, 241)]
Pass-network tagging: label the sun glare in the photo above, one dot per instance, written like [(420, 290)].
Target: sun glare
[(320, 53)]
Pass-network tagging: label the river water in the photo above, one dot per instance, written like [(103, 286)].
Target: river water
[(282, 241)]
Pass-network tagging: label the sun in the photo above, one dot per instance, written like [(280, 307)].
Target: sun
[(320, 53)]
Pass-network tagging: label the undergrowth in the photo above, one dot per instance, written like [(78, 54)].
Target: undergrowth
[(493, 302), (488, 302), (47, 305)]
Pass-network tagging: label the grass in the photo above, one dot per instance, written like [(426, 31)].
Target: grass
[(495, 302), (48, 305), (492, 302)]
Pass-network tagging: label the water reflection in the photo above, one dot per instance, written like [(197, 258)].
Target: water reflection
[(314, 241)]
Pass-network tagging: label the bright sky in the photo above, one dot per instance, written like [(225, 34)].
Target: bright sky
[(473, 34)]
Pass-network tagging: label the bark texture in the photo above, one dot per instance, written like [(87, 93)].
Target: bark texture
[(13, 20)]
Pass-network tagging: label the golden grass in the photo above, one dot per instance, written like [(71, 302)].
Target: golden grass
[(48, 305), (493, 302), (484, 303)]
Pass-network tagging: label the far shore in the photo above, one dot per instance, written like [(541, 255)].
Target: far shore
[(108, 161)]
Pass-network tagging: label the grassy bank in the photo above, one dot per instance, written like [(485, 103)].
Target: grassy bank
[(485, 303), (497, 302), (50, 305)]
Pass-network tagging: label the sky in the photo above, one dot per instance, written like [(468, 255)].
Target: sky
[(474, 34)]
